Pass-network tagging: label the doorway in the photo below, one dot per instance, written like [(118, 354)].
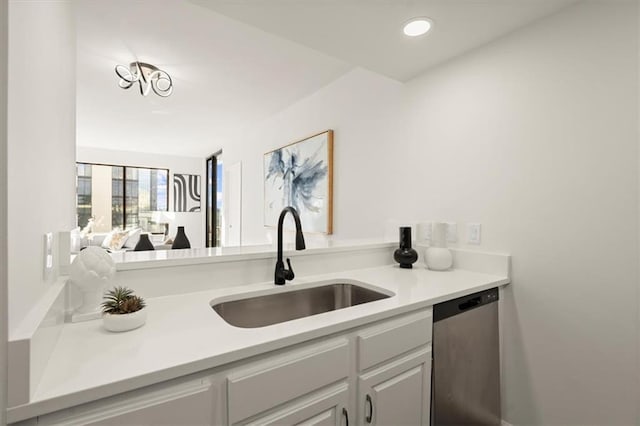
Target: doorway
[(213, 228)]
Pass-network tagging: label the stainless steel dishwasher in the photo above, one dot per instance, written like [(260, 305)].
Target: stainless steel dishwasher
[(466, 361)]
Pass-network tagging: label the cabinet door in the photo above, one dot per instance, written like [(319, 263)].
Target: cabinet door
[(397, 393), (324, 408)]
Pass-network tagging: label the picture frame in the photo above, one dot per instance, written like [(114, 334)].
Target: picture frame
[(300, 174), (186, 192)]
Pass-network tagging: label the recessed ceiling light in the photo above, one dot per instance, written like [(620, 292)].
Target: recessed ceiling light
[(417, 27)]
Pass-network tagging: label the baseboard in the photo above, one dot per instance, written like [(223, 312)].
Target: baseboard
[(504, 423)]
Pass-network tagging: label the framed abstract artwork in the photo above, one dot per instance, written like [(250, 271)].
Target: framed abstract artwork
[(186, 193), (301, 175)]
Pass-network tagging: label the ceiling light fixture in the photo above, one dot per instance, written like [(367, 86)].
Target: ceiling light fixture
[(417, 27), (148, 76)]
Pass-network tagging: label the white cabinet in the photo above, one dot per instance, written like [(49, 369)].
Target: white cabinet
[(377, 374), (394, 364), (388, 364), (397, 393)]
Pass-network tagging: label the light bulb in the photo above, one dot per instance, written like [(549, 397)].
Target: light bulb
[(417, 27)]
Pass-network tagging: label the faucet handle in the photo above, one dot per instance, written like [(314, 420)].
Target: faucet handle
[(289, 275)]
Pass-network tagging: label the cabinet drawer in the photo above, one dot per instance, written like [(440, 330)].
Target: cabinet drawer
[(189, 403), (392, 338), (323, 408), (284, 377)]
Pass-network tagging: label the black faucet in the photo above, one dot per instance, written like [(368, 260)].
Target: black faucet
[(282, 274)]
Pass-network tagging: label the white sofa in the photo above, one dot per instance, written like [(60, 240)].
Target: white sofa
[(97, 238)]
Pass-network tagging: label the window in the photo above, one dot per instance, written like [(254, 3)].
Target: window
[(83, 191), (120, 196)]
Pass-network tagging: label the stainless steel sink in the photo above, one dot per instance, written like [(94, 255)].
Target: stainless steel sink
[(270, 309)]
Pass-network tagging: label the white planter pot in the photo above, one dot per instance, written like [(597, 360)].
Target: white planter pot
[(124, 322)]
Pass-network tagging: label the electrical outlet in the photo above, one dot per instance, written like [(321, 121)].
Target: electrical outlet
[(452, 232), (473, 233)]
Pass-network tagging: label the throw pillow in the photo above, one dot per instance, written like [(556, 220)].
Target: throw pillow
[(133, 238), (115, 240)]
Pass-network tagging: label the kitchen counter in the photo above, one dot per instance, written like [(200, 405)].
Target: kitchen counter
[(183, 334)]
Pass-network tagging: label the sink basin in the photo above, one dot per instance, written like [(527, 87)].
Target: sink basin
[(268, 309)]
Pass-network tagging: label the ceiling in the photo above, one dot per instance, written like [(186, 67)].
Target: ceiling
[(236, 62), (368, 33), (226, 75)]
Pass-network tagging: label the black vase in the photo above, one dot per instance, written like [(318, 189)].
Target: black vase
[(405, 255), (181, 241), (144, 243)]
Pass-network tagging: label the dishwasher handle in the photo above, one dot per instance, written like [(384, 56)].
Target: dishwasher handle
[(469, 304)]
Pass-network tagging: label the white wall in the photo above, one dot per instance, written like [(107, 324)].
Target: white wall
[(193, 222), (536, 137), (361, 107), (41, 141), (4, 20)]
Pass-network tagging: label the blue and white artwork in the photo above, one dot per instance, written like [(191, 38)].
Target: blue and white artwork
[(300, 175)]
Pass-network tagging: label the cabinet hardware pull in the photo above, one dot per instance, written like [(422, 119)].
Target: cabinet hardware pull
[(370, 403), (345, 413)]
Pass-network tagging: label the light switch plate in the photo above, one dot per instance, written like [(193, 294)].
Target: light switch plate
[(63, 254), (473, 233), (452, 232)]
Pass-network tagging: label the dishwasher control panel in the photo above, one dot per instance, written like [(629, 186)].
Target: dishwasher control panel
[(465, 303)]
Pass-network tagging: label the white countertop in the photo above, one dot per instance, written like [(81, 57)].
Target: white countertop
[(183, 334), (127, 260)]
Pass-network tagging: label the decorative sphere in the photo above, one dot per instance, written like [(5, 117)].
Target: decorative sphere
[(92, 267), (406, 257), (438, 258)]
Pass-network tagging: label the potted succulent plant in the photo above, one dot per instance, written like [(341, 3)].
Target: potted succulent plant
[(122, 310)]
